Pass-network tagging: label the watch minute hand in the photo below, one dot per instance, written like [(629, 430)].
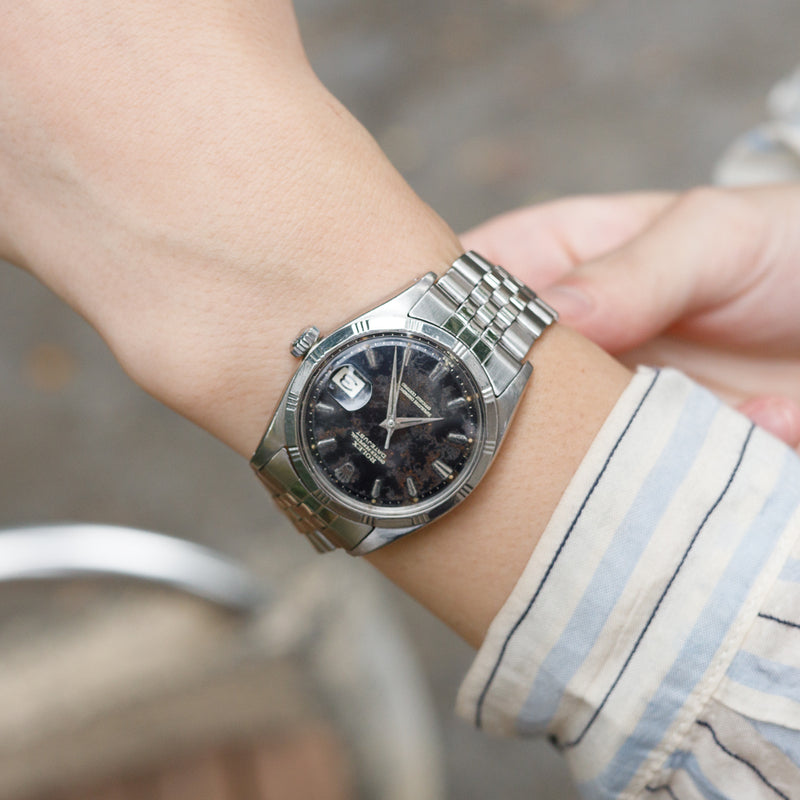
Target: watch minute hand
[(392, 388), (410, 422), (394, 395), (388, 423), (399, 381)]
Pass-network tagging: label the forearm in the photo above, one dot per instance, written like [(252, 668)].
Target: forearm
[(464, 566), (213, 180), (201, 223)]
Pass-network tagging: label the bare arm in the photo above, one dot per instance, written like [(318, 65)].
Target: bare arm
[(179, 175)]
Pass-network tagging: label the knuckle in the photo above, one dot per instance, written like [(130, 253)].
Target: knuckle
[(703, 199), (733, 216), (725, 207)]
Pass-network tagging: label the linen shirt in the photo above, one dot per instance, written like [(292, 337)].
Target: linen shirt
[(654, 635)]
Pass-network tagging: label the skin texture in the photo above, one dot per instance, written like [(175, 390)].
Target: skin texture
[(706, 281), (201, 197), (181, 191), (178, 174)]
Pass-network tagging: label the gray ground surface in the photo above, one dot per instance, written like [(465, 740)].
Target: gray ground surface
[(482, 107)]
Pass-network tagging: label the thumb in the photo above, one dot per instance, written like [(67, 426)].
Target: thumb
[(694, 256)]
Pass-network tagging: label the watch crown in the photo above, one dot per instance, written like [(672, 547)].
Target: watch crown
[(305, 341)]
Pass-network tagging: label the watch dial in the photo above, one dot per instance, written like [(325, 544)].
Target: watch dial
[(392, 421)]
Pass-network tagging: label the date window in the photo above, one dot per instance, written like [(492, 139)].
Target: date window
[(350, 388)]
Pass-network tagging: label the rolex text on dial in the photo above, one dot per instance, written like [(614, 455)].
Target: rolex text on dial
[(391, 421)]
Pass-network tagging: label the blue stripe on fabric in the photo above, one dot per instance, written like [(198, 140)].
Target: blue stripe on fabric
[(619, 561), (765, 675), (786, 740), (596, 713), (791, 571), (689, 764), (708, 632), (551, 565)]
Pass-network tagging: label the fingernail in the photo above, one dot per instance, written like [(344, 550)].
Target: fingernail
[(569, 301), (778, 415)]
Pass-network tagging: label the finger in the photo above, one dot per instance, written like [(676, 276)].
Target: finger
[(699, 253), (778, 415), (542, 243)]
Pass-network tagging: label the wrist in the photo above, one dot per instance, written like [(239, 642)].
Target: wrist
[(313, 237), (227, 197), (228, 358), (464, 566)]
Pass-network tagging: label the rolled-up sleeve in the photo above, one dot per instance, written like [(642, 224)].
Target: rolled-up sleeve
[(654, 636)]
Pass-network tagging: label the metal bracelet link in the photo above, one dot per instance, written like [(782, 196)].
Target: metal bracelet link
[(300, 513), (496, 316), (492, 308)]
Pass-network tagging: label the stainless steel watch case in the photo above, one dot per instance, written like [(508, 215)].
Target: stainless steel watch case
[(279, 460)]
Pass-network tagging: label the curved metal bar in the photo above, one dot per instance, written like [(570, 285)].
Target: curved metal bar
[(85, 550)]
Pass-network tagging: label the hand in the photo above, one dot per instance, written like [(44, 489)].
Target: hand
[(706, 281)]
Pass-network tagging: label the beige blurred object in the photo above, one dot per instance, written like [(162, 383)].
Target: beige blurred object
[(770, 153), (103, 678), (309, 763), (49, 367)]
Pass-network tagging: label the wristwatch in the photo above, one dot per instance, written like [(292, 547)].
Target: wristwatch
[(393, 419)]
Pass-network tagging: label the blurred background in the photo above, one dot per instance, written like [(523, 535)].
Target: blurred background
[(483, 107)]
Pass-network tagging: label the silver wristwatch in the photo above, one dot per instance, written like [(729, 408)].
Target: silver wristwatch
[(393, 419)]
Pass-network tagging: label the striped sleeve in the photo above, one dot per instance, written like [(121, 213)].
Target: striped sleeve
[(654, 636)]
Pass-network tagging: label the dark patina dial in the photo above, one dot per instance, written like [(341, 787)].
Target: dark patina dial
[(391, 421)]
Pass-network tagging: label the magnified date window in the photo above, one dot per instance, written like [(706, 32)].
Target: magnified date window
[(350, 388)]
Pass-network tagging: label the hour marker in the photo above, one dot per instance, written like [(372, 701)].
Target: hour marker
[(346, 472), (324, 408), (411, 487), (326, 445), (457, 403), (457, 438), (377, 485), (372, 358), (437, 372), (445, 470)]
